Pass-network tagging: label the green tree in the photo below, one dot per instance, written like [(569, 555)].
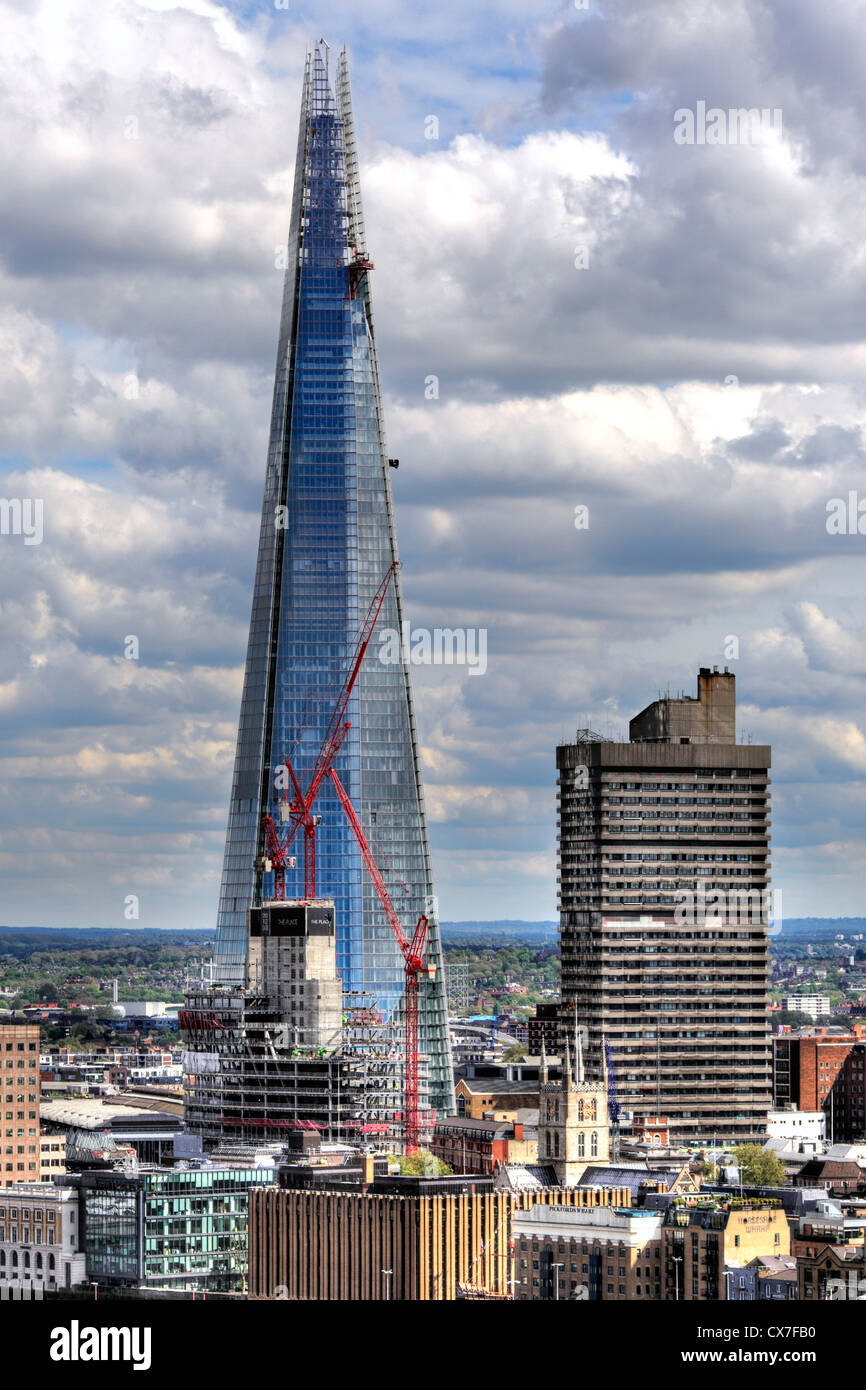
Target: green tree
[(515, 1053), (422, 1165), (795, 1018), (758, 1167)]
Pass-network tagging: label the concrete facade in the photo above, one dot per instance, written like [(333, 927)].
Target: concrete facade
[(664, 875), (290, 1049), (52, 1156), (397, 1239), (296, 971), (40, 1245), (709, 717), (815, 1005)]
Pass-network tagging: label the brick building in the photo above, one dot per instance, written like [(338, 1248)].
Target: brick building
[(479, 1146), (842, 1177), (843, 1266), (597, 1254), (652, 1130), (20, 1092), (846, 1110), (495, 1097), (768, 1278), (806, 1067), (829, 1223), (704, 1235)]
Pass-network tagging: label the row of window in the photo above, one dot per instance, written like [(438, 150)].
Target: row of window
[(680, 815), (742, 774), (553, 1145), (25, 1260), (25, 1214), (633, 801)]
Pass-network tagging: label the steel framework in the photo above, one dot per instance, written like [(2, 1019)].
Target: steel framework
[(414, 966)]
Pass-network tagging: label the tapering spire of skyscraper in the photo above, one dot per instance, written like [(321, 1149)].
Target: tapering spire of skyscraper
[(327, 538)]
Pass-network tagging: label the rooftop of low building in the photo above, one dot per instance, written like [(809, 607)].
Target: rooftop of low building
[(498, 1085), (485, 1125), (103, 1112)]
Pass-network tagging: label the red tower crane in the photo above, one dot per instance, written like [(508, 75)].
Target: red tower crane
[(413, 966), (298, 811)]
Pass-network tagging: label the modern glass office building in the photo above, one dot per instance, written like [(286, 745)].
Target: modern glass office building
[(327, 540), (164, 1228)]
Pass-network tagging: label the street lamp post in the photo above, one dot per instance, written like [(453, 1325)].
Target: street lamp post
[(678, 1259), (387, 1273), (556, 1280)]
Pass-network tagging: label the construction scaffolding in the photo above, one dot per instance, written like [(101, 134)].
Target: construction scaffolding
[(374, 1050), (458, 985), (246, 1078)]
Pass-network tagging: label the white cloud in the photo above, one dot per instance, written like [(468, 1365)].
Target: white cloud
[(146, 162)]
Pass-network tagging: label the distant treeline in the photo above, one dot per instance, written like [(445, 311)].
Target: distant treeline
[(823, 926), (496, 931), (23, 942)]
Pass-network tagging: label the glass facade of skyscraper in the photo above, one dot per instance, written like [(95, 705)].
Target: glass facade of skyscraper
[(327, 540)]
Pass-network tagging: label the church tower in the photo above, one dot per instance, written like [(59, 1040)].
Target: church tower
[(573, 1129)]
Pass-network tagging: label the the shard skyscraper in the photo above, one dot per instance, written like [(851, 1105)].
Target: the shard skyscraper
[(326, 541)]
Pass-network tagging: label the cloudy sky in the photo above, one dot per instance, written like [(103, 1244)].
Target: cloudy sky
[(669, 335)]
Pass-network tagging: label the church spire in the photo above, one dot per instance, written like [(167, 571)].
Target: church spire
[(542, 1071), (578, 1054)]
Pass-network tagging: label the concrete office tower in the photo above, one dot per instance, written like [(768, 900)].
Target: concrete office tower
[(293, 965), (327, 539), (664, 874)]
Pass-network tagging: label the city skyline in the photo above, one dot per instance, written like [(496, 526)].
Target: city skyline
[(432, 671), (643, 359)]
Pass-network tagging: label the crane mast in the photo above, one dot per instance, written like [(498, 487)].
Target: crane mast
[(413, 966)]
